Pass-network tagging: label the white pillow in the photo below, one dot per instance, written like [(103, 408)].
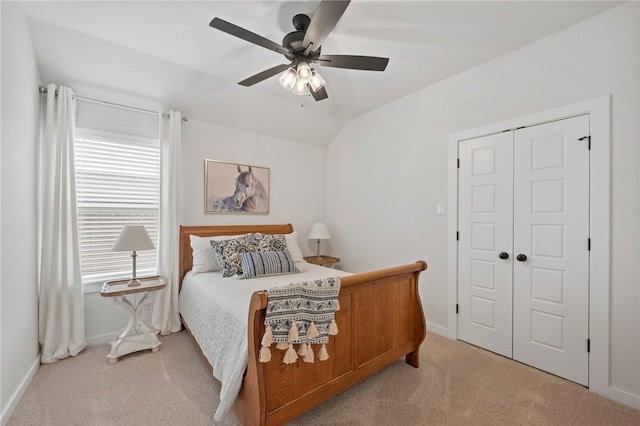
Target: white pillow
[(204, 258), (294, 249), (292, 246)]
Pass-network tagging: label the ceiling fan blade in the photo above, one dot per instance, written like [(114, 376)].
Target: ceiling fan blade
[(234, 30), (324, 20), (369, 63), (264, 75), (320, 94)]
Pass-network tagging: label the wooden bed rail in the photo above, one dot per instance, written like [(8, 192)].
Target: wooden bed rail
[(259, 298), (380, 320)]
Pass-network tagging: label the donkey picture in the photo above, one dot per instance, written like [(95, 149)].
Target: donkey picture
[(249, 195)]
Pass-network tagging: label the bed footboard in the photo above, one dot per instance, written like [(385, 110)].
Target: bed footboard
[(380, 320)]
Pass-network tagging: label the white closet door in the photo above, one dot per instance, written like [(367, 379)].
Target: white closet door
[(551, 228), (485, 217)]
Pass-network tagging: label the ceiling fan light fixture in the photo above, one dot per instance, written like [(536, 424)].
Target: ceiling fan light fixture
[(301, 88), (302, 48), (288, 78), (304, 72), (316, 81)]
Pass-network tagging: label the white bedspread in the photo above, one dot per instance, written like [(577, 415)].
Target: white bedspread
[(216, 311)]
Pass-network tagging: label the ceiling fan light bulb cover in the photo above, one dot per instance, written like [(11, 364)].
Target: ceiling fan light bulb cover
[(304, 72), (316, 81), (300, 88), (288, 79)]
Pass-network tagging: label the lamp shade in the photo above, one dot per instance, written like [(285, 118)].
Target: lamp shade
[(133, 238), (319, 231)]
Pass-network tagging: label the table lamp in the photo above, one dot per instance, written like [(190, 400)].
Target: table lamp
[(133, 238), (319, 232)]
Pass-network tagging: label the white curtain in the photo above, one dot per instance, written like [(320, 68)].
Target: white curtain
[(165, 311), (61, 322)]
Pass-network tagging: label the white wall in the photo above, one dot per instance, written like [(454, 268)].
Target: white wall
[(297, 175), (20, 124), (387, 169), (297, 196)]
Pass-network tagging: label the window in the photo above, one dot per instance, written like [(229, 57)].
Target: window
[(118, 183)]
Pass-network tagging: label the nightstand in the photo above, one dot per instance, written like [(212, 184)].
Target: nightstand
[(323, 260), (137, 335)]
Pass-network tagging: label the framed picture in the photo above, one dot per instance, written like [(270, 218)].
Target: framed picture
[(235, 188)]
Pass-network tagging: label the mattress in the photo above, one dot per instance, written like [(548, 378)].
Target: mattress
[(216, 311)]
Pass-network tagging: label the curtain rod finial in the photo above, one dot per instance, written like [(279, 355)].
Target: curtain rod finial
[(42, 89)]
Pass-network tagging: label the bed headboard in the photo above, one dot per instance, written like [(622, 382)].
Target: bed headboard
[(186, 260)]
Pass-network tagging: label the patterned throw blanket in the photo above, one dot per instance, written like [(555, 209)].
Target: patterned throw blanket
[(301, 313)]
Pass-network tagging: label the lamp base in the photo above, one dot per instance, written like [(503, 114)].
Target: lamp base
[(134, 282)]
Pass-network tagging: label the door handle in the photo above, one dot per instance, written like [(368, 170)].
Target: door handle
[(521, 257), (504, 255)]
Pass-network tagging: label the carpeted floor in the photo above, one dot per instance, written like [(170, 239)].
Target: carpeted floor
[(457, 384)]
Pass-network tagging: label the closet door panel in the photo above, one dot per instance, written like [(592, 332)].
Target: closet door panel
[(551, 228), (486, 226)]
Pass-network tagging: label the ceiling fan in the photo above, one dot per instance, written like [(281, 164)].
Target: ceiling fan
[(302, 49)]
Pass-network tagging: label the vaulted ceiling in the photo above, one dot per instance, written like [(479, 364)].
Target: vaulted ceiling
[(165, 54)]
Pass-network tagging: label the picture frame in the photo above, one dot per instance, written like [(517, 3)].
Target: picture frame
[(236, 188)]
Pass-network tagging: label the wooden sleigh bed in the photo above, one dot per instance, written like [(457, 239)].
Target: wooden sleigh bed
[(380, 320)]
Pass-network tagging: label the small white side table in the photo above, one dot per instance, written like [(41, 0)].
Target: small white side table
[(137, 335)]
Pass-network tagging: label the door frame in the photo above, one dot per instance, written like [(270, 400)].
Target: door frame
[(599, 111)]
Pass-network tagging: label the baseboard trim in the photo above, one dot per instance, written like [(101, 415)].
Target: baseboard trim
[(622, 397), (438, 329), (102, 339), (17, 395)]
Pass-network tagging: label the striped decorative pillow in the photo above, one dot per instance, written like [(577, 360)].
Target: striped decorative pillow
[(259, 263)]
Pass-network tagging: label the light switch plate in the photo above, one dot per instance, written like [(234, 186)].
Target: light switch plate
[(442, 209)]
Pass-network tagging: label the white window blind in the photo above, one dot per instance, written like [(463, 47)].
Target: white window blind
[(118, 183)]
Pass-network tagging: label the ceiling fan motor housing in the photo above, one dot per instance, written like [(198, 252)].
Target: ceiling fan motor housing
[(301, 22), (294, 39)]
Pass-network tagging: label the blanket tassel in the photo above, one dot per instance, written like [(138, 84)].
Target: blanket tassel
[(333, 328), (293, 332), (308, 357), (283, 346), (312, 331), (323, 355), (303, 349), (290, 357), (267, 339), (265, 354)]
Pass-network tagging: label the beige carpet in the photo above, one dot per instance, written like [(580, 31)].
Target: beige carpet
[(458, 384)]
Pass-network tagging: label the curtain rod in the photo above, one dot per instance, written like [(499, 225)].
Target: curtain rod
[(44, 90)]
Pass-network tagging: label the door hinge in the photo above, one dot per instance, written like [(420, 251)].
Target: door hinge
[(458, 163), (589, 244), (588, 138), (588, 345), (456, 308), (457, 236)]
